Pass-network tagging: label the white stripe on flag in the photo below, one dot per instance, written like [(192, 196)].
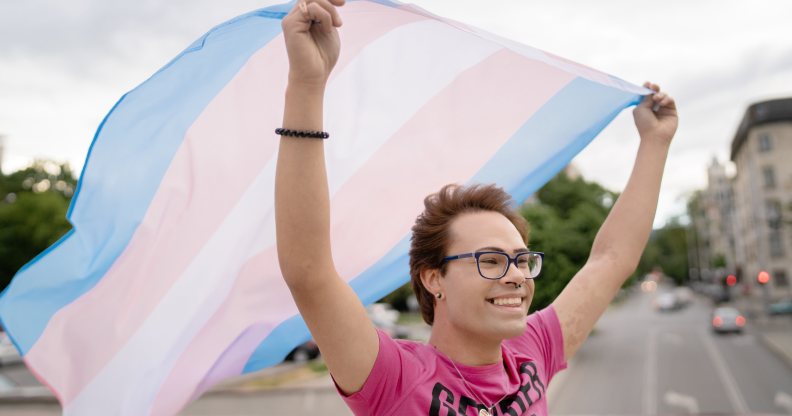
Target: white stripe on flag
[(249, 229)]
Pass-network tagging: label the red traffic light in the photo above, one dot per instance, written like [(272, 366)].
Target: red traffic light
[(763, 277), (731, 280)]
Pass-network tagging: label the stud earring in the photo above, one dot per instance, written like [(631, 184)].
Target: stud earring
[(439, 295)]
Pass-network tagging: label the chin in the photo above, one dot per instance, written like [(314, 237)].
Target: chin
[(503, 330), (515, 330)]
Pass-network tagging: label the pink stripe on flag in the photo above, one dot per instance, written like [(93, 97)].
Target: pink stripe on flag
[(187, 209), (259, 289), (454, 144), (452, 149), (583, 70)]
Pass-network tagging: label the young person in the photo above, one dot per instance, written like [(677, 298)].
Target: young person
[(470, 266)]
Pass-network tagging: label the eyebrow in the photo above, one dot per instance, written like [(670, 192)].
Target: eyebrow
[(493, 248)]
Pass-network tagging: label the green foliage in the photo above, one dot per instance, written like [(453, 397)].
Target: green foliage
[(667, 249), (33, 205), (564, 220), (719, 260), (398, 298)]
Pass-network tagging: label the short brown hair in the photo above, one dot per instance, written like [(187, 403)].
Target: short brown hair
[(430, 234)]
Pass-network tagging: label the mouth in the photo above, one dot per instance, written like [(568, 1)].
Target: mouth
[(512, 302)]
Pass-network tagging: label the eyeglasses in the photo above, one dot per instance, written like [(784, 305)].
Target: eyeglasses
[(493, 265)]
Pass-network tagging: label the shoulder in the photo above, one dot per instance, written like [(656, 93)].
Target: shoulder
[(401, 366)]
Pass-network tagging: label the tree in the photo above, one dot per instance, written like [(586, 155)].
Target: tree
[(667, 249), (33, 205), (564, 221)]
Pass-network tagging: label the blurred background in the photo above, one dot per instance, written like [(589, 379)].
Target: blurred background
[(704, 326)]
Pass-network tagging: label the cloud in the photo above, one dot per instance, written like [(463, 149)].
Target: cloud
[(85, 37), (68, 62)]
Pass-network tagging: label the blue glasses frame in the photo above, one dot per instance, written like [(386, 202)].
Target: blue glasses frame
[(511, 260)]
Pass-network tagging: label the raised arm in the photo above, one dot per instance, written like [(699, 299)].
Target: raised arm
[(622, 238), (333, 313)]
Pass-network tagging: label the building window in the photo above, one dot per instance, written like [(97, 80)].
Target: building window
[(773, 213), (769, 177), (780, 278), (776, 244), (765, 142)]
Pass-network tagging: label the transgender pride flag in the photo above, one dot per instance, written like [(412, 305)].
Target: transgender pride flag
[(169, 280)]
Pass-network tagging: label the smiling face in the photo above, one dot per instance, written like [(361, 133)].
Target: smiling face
[(493, 309)]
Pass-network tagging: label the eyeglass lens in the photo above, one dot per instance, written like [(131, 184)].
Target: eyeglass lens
[(495, 265)]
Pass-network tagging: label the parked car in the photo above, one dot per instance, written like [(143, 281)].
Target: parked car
[(780, 308), (719, 294), (727, 319), (384, 317), (304, 352)]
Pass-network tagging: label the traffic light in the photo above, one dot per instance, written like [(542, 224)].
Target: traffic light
[(731, 280), (763, 277)]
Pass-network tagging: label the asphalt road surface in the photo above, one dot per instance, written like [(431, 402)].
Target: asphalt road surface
[(644, 362), (638, 362)]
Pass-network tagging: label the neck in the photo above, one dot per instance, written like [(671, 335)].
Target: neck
[(463, 346)]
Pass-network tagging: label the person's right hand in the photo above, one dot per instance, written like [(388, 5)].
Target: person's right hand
[(312, 41)]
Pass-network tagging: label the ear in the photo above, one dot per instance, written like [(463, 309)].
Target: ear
[(432, 280)]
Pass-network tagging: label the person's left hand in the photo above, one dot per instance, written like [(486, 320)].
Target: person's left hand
[(656, 125)]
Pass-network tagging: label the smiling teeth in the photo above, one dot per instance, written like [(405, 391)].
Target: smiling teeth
[(507, 301)]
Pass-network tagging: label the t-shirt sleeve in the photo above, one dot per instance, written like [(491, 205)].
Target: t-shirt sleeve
[(386, 382), (543, 339)]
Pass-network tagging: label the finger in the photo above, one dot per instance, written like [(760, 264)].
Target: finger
[(646, 101), (320, 17), (653, 87), (337, 2), (331, 9), (668, 102), (297, 17)]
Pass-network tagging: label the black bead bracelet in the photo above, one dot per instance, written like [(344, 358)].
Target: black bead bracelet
[(302, 133)]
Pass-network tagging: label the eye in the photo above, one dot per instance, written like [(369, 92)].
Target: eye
[(491, 259)]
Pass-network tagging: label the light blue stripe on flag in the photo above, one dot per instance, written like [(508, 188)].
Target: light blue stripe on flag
[(574, 116), (130, 154)]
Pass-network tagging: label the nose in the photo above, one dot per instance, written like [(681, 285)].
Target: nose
[(513, 275)]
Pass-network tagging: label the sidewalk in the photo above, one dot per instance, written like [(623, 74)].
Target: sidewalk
[(284, 389), (775, 332), (777, 337)]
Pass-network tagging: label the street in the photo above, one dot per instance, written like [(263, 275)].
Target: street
[(638, 362), (641, 361)]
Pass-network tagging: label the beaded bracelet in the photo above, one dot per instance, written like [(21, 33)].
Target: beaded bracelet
[(302, 133)]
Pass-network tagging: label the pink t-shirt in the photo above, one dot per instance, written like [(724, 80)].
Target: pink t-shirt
[(412, 378)]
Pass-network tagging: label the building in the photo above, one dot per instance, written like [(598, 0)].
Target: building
[(762, 153), (711, 242)]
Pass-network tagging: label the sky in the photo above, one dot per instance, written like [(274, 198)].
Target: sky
[(64, 64)]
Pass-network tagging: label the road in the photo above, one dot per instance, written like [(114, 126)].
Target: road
[(643, 362), (638, 362)]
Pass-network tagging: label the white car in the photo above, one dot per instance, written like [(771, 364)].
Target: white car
[(666, 302), (385, 317), (727, 319)]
